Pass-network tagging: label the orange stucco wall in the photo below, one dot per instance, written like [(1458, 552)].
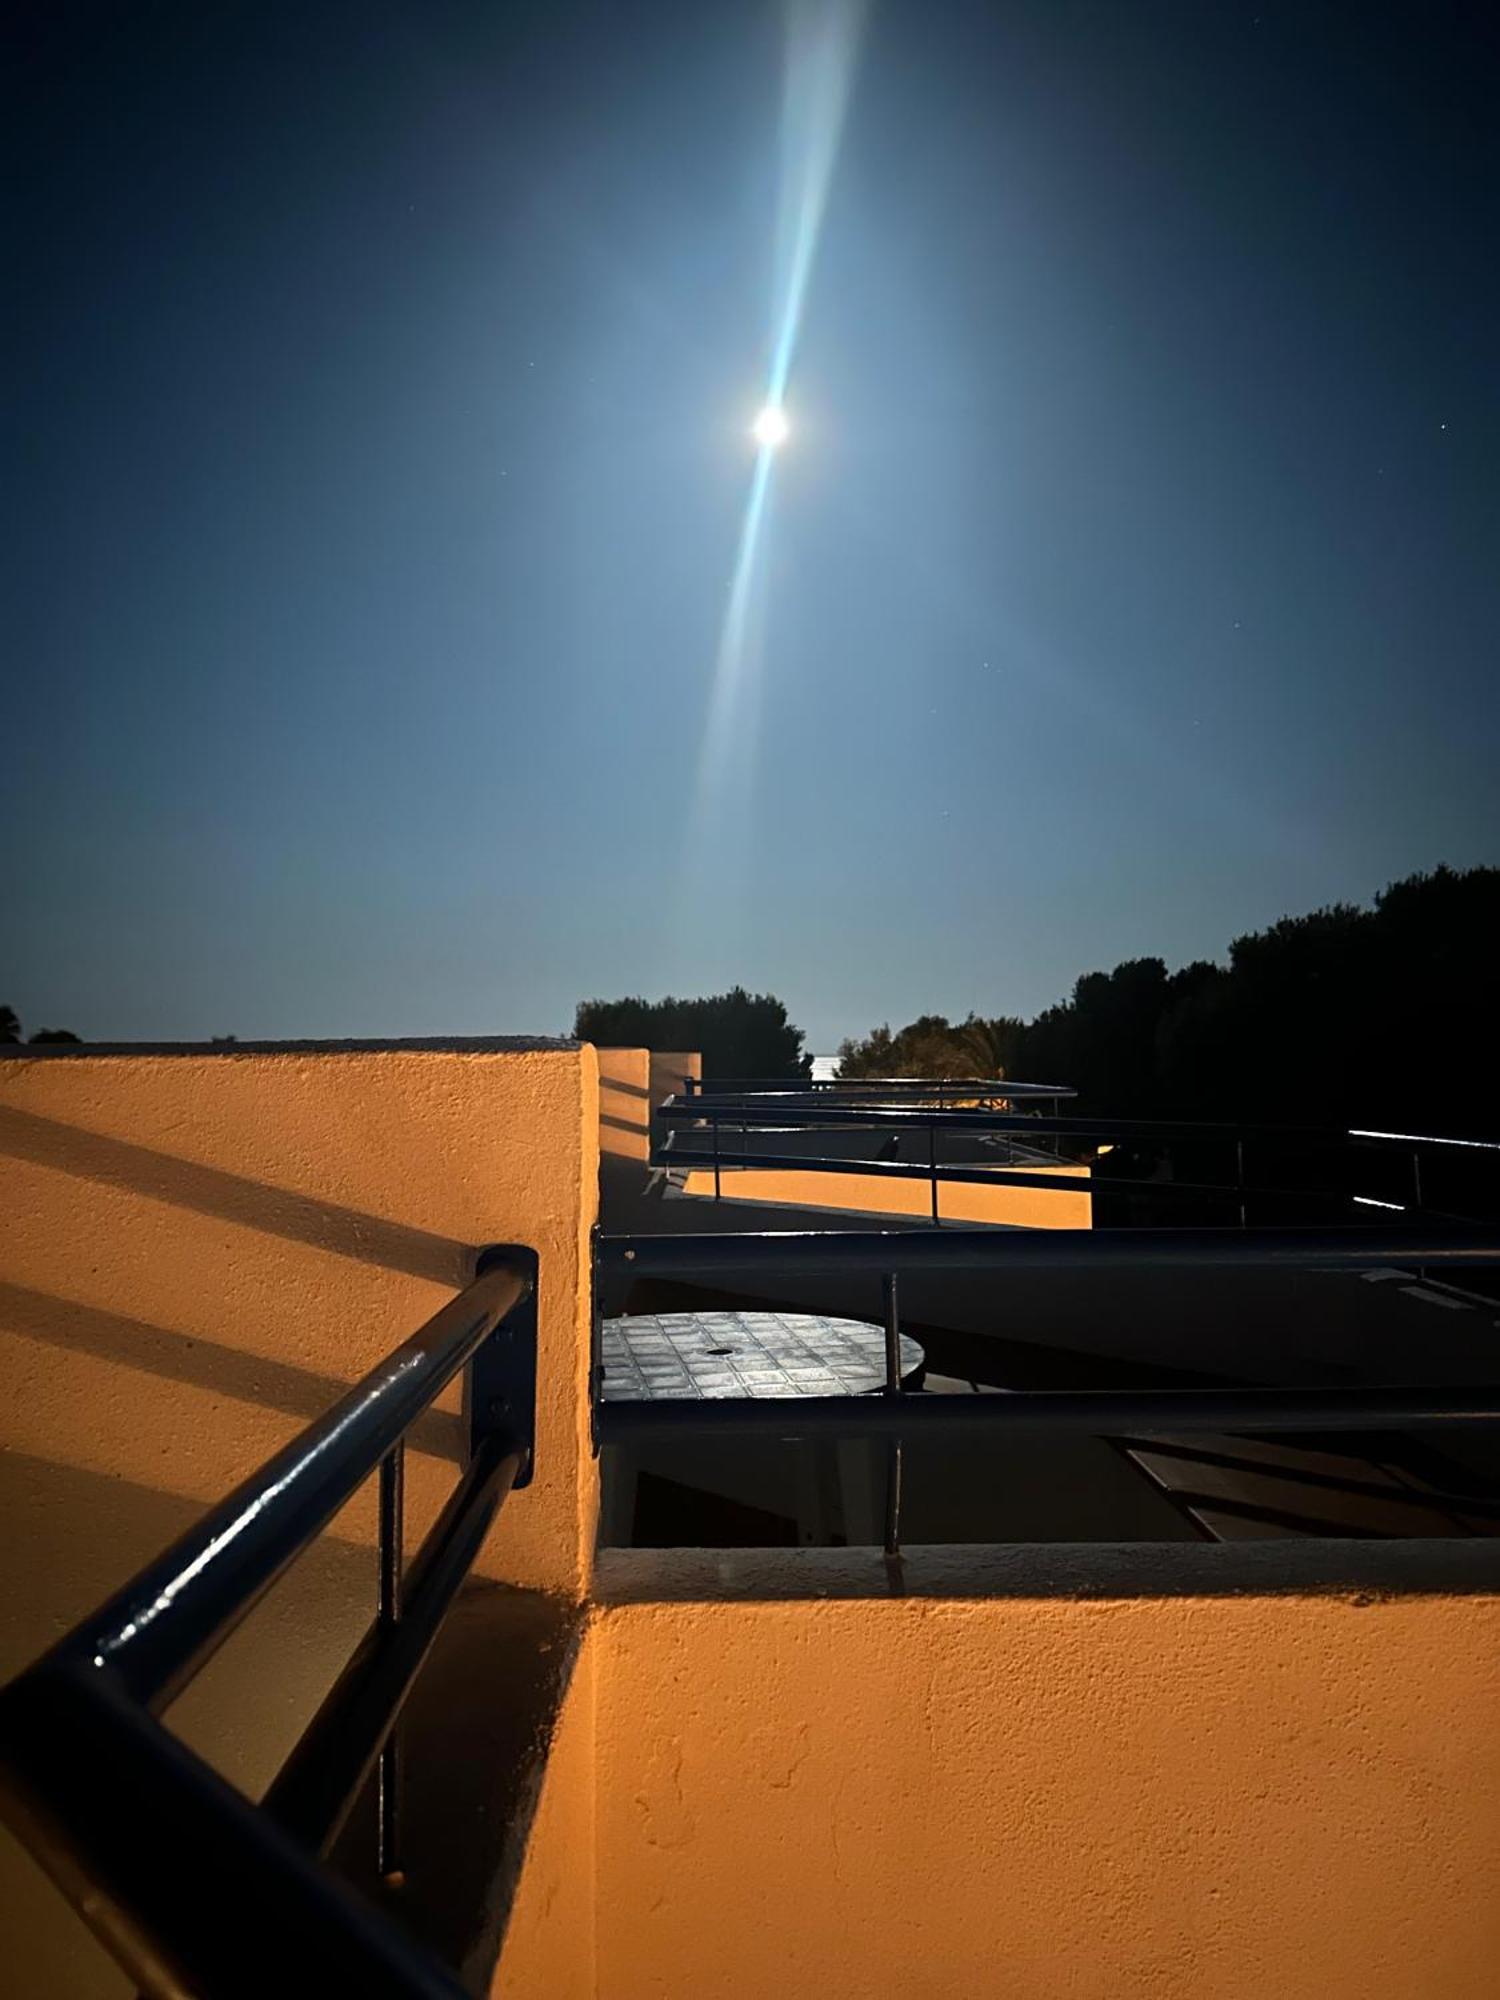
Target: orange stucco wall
[(671, 1071), (1067, 1206), (975, 1789), (200, 1250), (625, 1103), (551, 1935), (197, 1252), (632, 1082)]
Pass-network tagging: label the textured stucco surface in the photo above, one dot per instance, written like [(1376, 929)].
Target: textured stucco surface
[(625, 1104), (1186, 1796), (632, 1082), (550, 1939), (671, 1072), (199, 1250), (69, 1538)]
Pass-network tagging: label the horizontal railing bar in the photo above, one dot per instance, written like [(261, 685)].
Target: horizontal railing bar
[(1428, 1139), (1080, 1180), (791, 1253), (180, 1876), (318, 1785), (756, 1113), (749, 1086), (1098, 1412), (697, 1110), (158, 1630)]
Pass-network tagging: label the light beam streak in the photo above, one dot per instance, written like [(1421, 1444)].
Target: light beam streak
[(821, 47)]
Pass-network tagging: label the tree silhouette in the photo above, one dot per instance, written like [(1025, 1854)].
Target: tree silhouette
[(10, 1031), (739, 1034), (1379, 1017), (932, 1046)]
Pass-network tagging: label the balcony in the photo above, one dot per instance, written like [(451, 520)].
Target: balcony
[(457, 1746)]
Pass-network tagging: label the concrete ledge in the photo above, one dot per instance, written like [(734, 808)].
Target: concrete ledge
[(1363, 1571), (448, 1045)]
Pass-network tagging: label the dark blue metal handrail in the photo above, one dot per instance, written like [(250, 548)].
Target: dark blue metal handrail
[(898, 1413), (1073, 1175), (823, 1252), (680, 1118), (1097, 1412), (161, 1857), (874, 1089), (696, 1110), (779, 1085)]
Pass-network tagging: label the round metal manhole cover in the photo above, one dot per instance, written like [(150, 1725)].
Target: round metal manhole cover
[(657, 1357)]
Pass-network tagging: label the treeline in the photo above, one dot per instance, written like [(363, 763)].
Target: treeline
[(1383, 1017), (739, 1034), (932, 1045), (10, 1031)]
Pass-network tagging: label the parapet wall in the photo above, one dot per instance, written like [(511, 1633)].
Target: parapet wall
[(201, 1249), (1247, 1772)]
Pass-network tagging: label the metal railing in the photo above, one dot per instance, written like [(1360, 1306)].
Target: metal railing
[(188, 1884), (882, 1089), (729, 1112), (898, 1412)]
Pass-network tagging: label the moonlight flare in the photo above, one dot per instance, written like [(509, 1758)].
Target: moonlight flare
[(771, 428)]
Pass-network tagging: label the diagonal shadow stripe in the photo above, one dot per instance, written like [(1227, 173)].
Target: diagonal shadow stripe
[(304, 1218), (202, 1364), (637, 1128)]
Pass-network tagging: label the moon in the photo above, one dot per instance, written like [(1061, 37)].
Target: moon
[(771, 428)]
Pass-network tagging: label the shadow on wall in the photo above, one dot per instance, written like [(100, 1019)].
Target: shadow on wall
[(347, 1232), (70, 1536), (324, 1211), (202, 1364), (624, 1105), (189, 1358)]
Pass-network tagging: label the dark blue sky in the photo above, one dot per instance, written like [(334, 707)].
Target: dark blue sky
[(377, 423)]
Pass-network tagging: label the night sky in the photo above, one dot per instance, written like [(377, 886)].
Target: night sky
[(378, 403)]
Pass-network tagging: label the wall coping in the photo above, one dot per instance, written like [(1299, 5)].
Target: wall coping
[(460, 1045), (1363, 1572)]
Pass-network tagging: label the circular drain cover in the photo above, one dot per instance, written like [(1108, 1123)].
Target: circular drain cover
[(656, 1357)]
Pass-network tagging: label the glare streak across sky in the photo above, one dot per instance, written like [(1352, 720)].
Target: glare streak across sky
[(822, 43), (1127, 576)]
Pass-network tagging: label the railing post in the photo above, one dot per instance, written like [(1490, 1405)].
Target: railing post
[(716, 1155), (388, 1615), (932, 1171), (500, 1388), (1416, 1195), (892, 1388), (1239, 1173), (892, 1336)]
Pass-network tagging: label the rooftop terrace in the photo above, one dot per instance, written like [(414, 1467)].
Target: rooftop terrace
[(460, 1746)]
